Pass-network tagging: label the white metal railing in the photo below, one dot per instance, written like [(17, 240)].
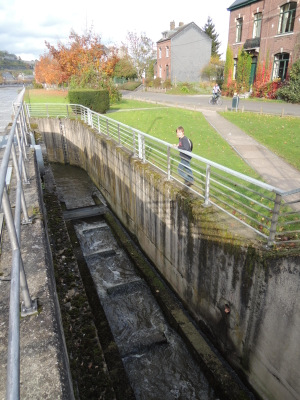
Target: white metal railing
[(272, 213), (17, 133)]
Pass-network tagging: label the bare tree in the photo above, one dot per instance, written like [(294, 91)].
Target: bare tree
[(141, 50)]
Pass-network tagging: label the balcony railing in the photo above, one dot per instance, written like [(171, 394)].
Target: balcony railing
[(251, 44), (271, 213)]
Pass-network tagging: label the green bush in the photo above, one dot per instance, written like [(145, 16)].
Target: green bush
[(96, 100), (148, 82), (290, 91), (167, 84), (37, 85), (184, 89), (131, 85), (157, 82)]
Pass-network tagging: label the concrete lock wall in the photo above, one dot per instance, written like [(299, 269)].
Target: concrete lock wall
[(206, 264)]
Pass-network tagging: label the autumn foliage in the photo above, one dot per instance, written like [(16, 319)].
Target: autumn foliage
[(81, 58), (262, 85)]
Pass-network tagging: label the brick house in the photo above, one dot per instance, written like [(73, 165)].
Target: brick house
[(268, 30), (182, 52)]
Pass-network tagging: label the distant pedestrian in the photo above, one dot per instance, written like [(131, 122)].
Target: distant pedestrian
[(183, 167)]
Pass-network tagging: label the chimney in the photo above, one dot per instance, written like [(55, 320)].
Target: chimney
[(181, 24), (172, 25)]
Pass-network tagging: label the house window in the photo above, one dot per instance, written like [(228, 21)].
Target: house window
[(257, 25), (159, 72), (280, 67), (234, 68), (167, 51), (167, 72), (159, 52), (287, 17), (239, 26)]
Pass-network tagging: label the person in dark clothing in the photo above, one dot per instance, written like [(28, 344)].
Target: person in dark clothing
[(183, 167)]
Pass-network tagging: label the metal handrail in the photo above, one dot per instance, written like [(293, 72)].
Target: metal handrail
[(262, 207), (18, 131)]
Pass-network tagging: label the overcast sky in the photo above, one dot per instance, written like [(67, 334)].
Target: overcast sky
[(25, 25)]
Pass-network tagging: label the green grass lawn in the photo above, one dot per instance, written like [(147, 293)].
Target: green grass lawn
[(279, 134), (162, 123), (132, 104), (46, 96)]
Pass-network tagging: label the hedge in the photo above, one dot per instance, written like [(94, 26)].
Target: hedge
[(96, 100)]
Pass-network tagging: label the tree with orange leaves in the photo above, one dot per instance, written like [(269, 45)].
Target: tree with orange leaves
[(83, 60), (47, 70)]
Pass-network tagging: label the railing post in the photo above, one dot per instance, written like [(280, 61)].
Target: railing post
[(18, 169), (27, 111), (275, 216), (28, 306), (23, 124), (133, 143), (119, 136), (169, 163), (47, 110), (20, 140), (22, 150), (13, 352), (107, 128), (140, 146), (207, 183), (99, 130), (90, 118)]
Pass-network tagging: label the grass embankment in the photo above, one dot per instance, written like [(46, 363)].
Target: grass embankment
[(279, 134), (162, 123)]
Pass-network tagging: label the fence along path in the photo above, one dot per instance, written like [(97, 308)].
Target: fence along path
[(272, 213)]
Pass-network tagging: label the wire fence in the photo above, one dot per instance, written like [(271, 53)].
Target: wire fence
[(271, 213)]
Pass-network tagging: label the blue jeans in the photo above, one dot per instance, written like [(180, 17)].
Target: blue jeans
[(185, 171)]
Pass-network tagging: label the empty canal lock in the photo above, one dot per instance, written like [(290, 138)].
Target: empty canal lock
[(155, 358)]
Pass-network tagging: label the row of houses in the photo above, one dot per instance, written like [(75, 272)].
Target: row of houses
[(269, 30)]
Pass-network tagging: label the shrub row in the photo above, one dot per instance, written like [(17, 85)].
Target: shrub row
[(96, 100)]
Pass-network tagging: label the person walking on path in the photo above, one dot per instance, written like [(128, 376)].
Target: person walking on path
[(184, 166)]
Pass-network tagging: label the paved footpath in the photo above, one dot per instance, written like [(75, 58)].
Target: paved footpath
[(272, 169)]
